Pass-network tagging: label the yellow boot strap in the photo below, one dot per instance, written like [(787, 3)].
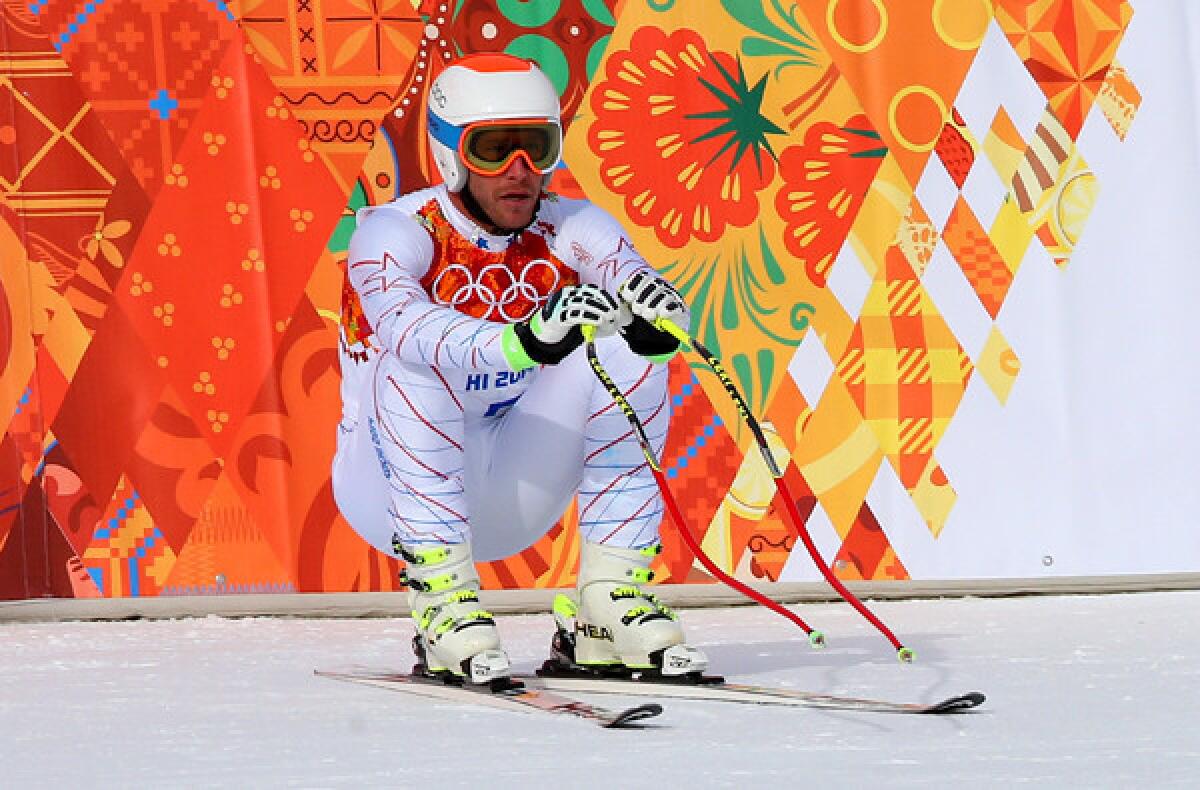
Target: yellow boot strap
[(641, 575), (637, 612), (626, 592), (451, 622)]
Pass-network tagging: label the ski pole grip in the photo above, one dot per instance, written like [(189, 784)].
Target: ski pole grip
[(589, 332)]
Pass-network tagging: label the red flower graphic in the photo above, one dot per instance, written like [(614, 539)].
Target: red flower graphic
[(680, 135), (825, 179)]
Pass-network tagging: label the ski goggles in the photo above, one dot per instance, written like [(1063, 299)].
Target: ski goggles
[(490, 147)]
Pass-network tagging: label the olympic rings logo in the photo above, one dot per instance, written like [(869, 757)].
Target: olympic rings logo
[(519, 289)]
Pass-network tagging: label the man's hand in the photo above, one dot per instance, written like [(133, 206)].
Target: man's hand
[(572, 307), (650, 298), (550, 334)]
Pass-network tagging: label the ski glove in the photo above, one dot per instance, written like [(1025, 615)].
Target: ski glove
[(649, 298), (550, 334)]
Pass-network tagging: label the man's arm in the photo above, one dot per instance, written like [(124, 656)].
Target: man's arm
[(598, 247), (389, 253)]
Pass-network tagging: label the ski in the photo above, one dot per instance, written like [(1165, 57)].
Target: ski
[(513, 695), (716, 690)]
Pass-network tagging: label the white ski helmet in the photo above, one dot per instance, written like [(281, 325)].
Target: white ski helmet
[(488, 87)]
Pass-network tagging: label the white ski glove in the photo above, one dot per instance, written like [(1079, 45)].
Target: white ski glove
[(550, 334), (572, 307), (650, 298)]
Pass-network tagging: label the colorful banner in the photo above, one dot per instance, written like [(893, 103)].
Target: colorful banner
[(882, 215)]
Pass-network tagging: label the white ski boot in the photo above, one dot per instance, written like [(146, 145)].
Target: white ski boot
[(619, 628), (456, 638)]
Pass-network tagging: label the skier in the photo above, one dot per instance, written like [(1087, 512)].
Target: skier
[(465, 437)]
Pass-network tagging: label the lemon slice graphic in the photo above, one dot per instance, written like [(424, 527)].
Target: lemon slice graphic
[(1075, 202)]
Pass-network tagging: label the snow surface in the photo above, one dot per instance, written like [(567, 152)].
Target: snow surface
[(1088, 691)]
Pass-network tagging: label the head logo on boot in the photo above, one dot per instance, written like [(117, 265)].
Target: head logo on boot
[(594, 632)]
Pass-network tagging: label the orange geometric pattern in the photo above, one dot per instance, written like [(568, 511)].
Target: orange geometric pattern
[(975, 252), (866, 552), (144, 67), (909, 100), (239, 243), (957, 148), (128, 554), (905, 371), (336, 64), (227, 550), (1119, 99), (1048, 151), (1068, 47)]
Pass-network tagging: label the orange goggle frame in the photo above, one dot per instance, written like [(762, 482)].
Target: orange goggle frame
[(490, 147)]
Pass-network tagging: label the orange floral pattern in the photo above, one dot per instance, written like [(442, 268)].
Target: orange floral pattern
[(100, 242), (709, 157), (824, 182)]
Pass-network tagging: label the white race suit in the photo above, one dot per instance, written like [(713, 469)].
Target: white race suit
[(440, 439)]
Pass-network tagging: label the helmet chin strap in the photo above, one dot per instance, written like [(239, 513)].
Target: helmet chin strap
[(481, 216)]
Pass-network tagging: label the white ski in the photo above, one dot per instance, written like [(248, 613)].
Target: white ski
[(747, 694), (516, 695)]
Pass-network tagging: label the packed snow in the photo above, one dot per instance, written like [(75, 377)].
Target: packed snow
[(1090, 691)]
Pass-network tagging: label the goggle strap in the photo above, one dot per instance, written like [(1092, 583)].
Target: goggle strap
[(444, 132)]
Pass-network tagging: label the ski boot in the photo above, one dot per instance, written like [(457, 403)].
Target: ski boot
[(456, 639), (617, 629)]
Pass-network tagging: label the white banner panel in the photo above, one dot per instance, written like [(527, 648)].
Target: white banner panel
[(1090, 467)]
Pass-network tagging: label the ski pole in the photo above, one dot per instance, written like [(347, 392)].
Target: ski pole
[(905, 654), (815, 638)]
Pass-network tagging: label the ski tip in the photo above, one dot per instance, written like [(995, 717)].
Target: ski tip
[(816, 639), (906, 655), (963, 702), (631, 716)]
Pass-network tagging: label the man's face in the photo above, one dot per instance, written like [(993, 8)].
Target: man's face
[(509, 198)]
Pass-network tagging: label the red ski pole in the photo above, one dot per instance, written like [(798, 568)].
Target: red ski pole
[(905, 654), (815, 638)]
